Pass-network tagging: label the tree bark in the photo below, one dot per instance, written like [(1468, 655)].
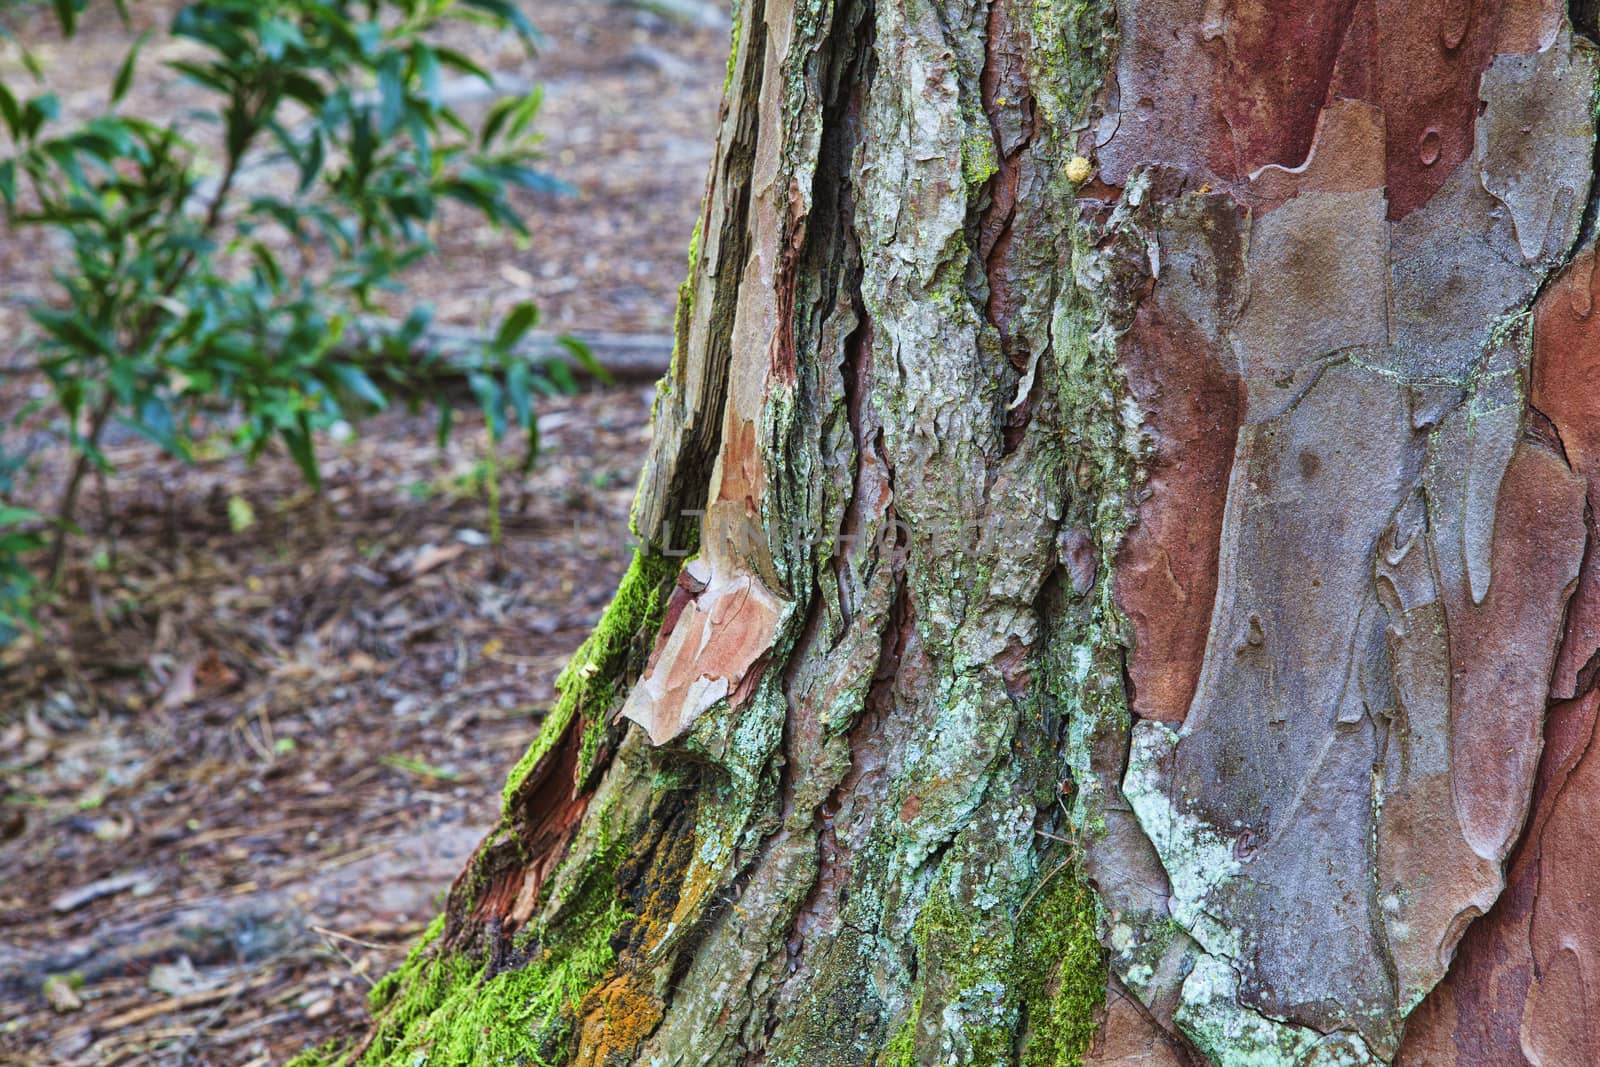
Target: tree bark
[(1138, 458)]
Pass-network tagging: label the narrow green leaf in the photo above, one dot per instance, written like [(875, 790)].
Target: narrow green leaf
[(10, 110), (268, 262), (519, 392), (67, 15), (124, 79), (531, 453), (277, 35), (416, 324), (37, 112), (300, 86), (425, 65), (528, 178), (311, 164), (491, 400), (297, 438), (459, 61), (508, 13), (525, 111), (495, 119), (523, 317), (561, 375), (200, 74), (359, 384), (584, 357), (391, 93)]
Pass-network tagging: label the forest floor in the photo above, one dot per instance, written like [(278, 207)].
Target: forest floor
[(251, 744)]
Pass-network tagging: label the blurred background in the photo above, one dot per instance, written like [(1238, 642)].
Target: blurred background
[(261, 713)]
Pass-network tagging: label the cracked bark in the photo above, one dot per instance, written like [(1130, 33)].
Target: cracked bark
[(1144, 456)]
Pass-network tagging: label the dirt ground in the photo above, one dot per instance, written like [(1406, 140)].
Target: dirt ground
[(241, 761)]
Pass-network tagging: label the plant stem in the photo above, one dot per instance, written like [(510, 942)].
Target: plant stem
[(102, 413), (491, 485), (69, 498)]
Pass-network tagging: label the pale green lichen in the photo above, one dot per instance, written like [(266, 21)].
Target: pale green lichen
[(1594, 102), (1199, 859), (1085, 656), (1072, 45), (980, 160), (987, 993), (1232, 1036), (1101, 441)]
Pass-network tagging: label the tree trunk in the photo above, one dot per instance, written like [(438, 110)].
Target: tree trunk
[(1136, 456)]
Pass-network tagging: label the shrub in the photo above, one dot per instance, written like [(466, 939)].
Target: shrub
[(178, 304)]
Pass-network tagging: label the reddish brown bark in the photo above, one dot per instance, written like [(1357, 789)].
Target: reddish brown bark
[(1348, 571), (1520, 992), (1166, 575)]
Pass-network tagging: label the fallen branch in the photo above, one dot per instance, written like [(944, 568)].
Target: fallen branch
[(74, 899), (626, 357), (695, 12)]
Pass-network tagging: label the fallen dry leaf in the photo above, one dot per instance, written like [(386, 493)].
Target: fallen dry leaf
[(197, 678), (431, 559)]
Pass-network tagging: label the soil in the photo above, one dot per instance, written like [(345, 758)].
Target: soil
[(262, 729)]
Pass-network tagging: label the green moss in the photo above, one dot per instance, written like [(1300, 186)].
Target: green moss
[(737, 18), (330, 1054), (1045, 975), (594, 732), (1062, 976), (900, 1051), (592, 682), (401, 976), (442, 1007), (445, 1010), (970, 967), (694, 246), (685, 313)]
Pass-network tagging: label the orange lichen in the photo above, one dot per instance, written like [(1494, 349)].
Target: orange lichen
[(614, 1019)]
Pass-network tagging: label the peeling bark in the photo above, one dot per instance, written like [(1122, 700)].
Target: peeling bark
[(1142, 456)]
